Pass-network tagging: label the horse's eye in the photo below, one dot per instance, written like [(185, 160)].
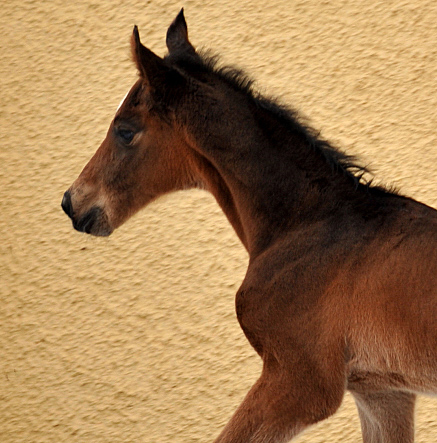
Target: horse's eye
[(126, 135)]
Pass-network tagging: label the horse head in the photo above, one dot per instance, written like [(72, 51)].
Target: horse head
[(143, 155)]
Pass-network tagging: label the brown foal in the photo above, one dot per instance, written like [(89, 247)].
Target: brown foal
[(341, 289)]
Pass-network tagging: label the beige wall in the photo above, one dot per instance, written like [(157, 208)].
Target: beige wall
[(134, 338)]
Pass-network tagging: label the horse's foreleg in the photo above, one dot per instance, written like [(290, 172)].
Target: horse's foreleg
[(386, 417), (281, 404)]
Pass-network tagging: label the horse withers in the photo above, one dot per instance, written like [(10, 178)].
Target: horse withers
[(341, 288)]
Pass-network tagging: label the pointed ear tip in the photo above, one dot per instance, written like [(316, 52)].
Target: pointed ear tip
[(135, 38), (180, 16)]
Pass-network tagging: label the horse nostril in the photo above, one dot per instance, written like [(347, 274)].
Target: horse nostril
[(66, 204)]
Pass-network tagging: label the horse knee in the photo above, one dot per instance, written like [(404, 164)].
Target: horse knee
[(283, 402), (320, 403), (305, 402)]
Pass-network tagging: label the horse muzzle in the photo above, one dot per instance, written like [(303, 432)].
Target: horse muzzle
[(93, 222)]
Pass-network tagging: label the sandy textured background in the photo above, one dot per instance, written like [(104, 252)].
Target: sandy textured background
[(134, 338)]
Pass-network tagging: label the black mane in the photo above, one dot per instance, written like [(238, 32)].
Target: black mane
[(237, 79)]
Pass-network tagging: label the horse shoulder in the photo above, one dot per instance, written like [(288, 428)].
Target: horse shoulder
[(284, 296)]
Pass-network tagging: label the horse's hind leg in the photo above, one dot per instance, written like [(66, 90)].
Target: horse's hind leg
[(386, 417)]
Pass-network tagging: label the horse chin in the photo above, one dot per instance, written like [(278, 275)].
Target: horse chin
[(101, 232), (94, 222)]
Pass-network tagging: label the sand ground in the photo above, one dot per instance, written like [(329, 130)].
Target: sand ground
[(134, 338)]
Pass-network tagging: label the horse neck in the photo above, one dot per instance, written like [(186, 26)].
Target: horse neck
[(266, 191)]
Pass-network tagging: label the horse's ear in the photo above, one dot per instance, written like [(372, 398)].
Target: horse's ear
[(149, 65), (177, 37), (164, 82)]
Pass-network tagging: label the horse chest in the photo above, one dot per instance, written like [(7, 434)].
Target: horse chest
[(283, 309)]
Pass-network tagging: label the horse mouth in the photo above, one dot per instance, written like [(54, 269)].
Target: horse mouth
[(93, 222)]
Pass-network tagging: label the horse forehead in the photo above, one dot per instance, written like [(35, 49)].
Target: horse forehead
[(122, 100), (134, 92)]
